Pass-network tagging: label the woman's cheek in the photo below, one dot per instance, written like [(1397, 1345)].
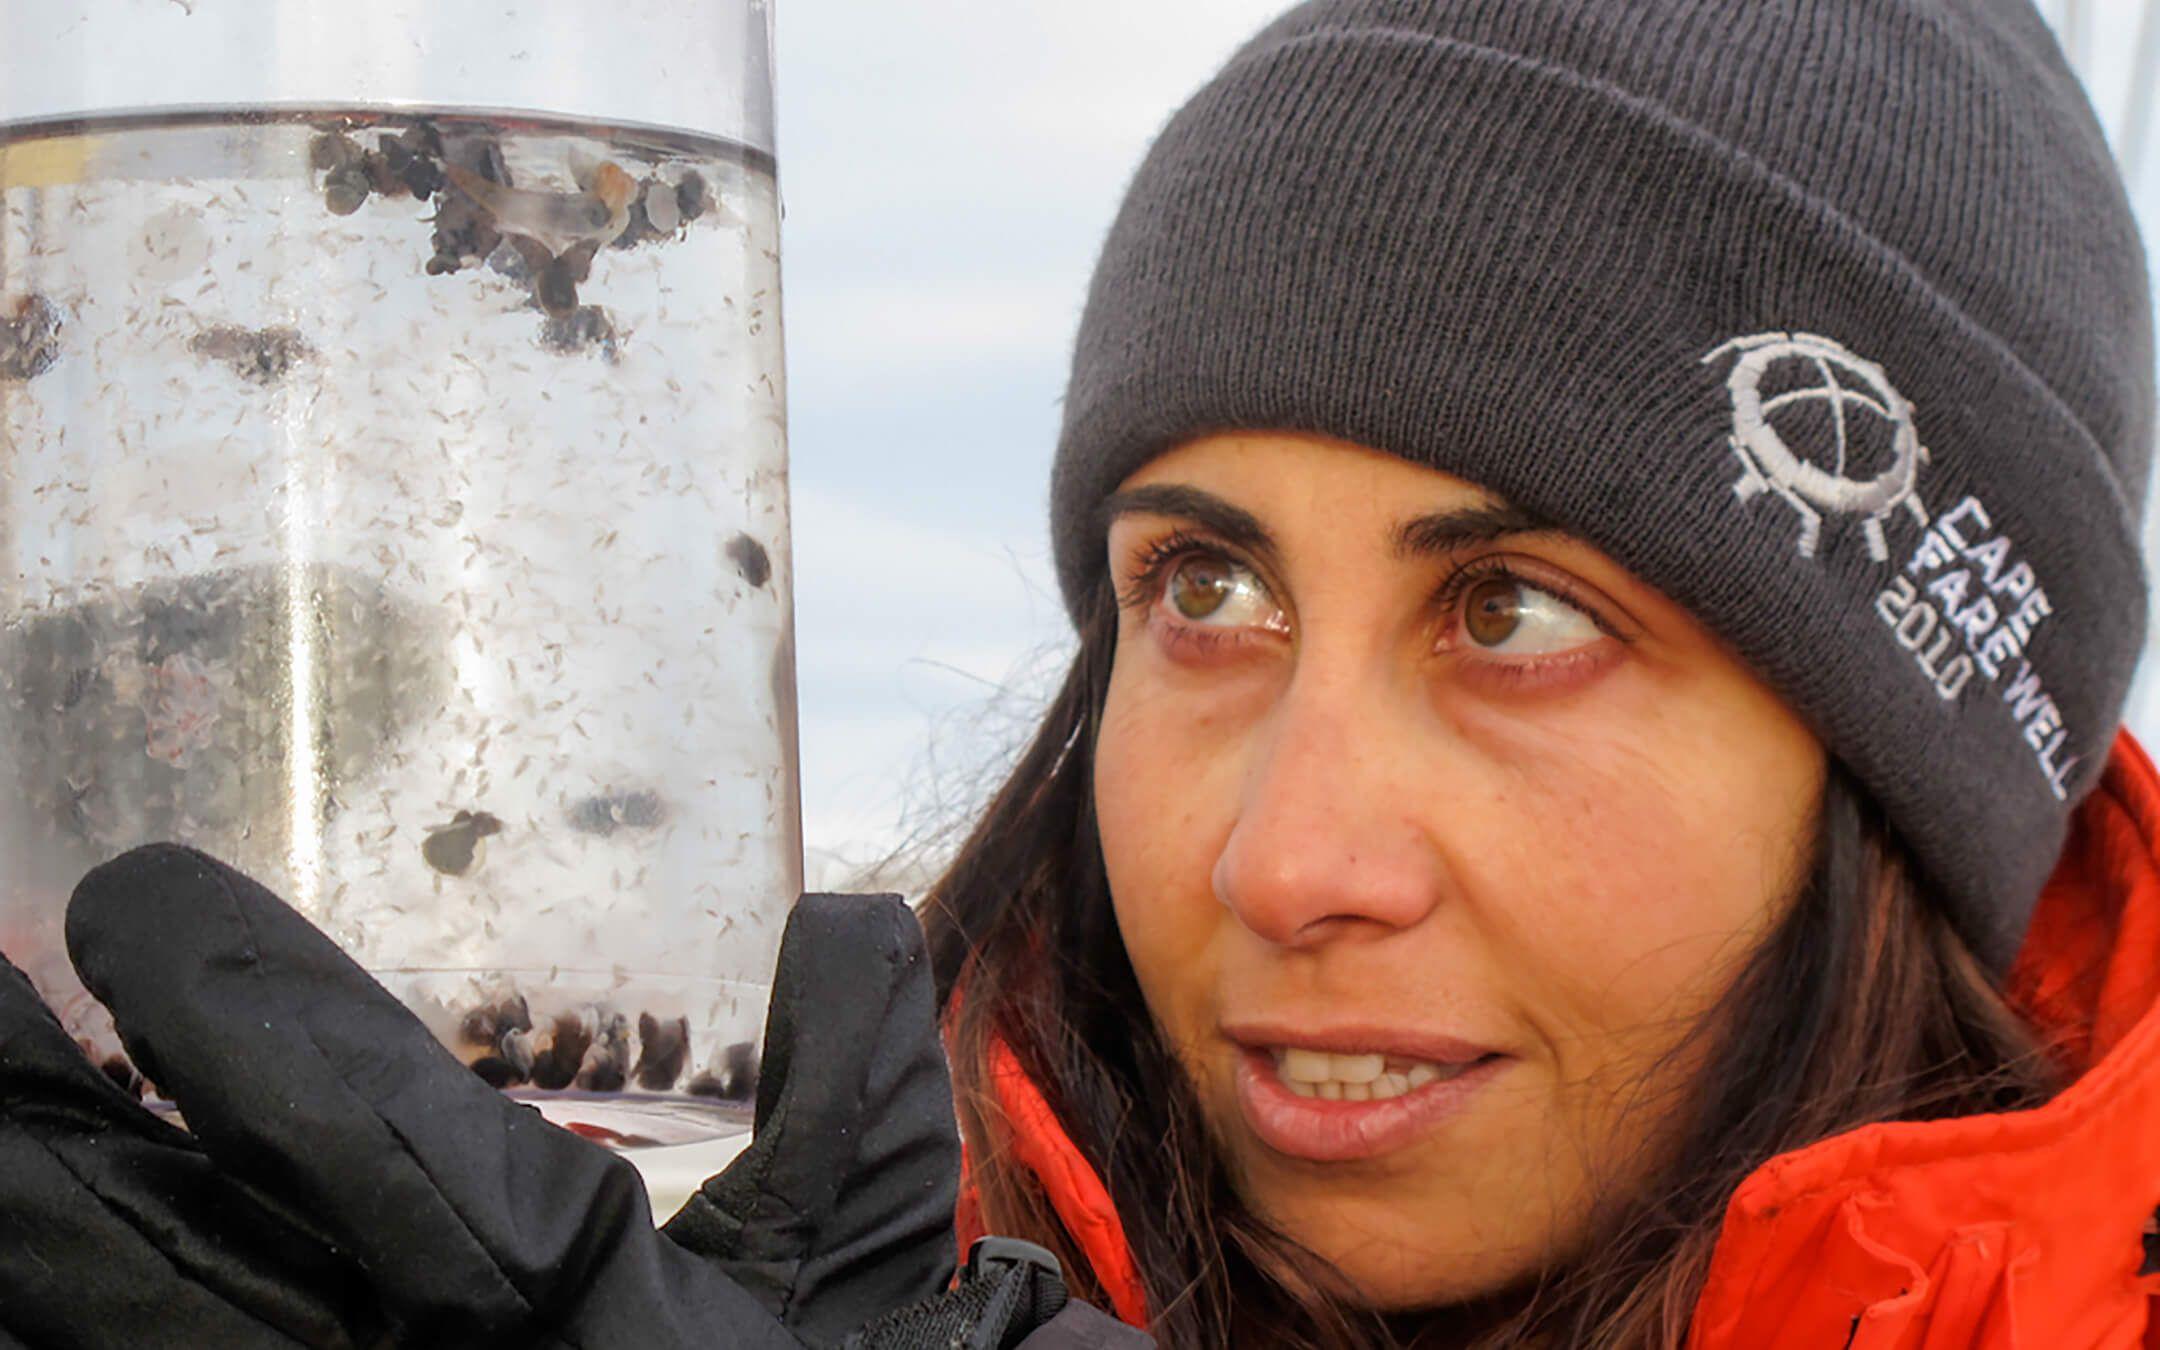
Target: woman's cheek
[(1153, 814), (1640, 867)]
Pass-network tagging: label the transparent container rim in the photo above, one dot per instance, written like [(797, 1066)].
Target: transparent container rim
[(696, 67), (544, 121)]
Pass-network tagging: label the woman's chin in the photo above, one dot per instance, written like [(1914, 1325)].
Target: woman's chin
[(1398, 1262)]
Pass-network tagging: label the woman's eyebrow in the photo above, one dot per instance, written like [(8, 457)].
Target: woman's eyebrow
[(1445, 532), (1234, 523), (1440, 532)]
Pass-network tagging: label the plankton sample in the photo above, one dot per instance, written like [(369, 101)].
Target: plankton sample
[(395, 506)]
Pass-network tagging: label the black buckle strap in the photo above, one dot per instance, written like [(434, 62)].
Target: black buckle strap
[(1008, 1289)]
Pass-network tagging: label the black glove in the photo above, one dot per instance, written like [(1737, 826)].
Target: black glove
[(344, 1181)]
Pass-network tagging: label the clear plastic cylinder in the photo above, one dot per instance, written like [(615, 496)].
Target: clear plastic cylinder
[(393, 500)]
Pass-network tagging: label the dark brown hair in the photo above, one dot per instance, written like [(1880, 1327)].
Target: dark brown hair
[(1863, 1005)]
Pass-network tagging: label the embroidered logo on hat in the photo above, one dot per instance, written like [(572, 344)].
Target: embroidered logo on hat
[(1963, 605), (1814, 376)]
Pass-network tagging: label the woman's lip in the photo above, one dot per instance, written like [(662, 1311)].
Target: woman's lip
[(1318, 1130), (1355, 1040)]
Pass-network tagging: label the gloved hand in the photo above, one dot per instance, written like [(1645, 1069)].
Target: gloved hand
[(344, 1181)]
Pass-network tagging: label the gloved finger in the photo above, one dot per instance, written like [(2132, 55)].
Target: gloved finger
[(476, 1220), (842, 1207), (41, 1067), (116, 1230)]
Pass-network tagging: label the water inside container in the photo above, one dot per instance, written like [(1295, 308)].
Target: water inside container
[(394, 505)]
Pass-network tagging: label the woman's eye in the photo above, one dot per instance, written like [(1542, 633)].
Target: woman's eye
[(1206, 589), (1512, 618)]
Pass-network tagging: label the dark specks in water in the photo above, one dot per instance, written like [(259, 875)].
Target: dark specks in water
[(556, 281), (517, 1052), (586, 326), (590, 1049), (410, 160), (693, 195), (660, 208), (734, 1080), (607, 1063), (606, 812), (332, 150), (343, 165), (497, 1072), (750, 559), (555, 289), (639, 229), (463, 228), (556, 1066), (455, 849), (462, 231), (405, 165), (509, 264), (345, 190), (662, 1049), (29, 338), (602, 1073), (427, 164), (490, 1022), (257, 355)]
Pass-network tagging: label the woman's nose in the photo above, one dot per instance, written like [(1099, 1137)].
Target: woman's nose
[(1330, 834)]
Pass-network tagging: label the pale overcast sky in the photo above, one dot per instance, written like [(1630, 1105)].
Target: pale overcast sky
[(949, 167)]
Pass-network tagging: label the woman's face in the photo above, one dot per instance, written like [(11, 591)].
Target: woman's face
[(1431, 832)]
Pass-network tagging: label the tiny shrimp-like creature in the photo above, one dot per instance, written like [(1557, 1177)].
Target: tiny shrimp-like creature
[(557, 221)]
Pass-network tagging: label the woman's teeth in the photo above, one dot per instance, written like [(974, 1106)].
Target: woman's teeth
[(1356, 1078)]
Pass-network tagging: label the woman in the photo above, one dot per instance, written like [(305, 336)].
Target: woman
[(1603, 538)]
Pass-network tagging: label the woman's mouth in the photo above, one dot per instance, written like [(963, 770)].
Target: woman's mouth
[(1331, 1106), (1356, 1078)]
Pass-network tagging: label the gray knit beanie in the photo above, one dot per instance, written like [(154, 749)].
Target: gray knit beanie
[(1828, 318)]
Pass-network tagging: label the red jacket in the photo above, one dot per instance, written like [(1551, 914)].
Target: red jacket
[(2025, 1231)]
